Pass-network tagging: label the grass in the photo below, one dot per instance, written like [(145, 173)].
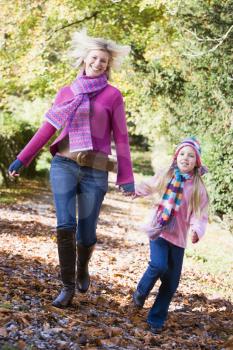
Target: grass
[(141, 162), (213, 256), (21, 190)]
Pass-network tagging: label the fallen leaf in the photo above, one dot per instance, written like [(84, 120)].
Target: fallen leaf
[(3, 332)]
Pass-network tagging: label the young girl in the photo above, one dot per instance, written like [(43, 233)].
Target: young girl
[(183, 206)]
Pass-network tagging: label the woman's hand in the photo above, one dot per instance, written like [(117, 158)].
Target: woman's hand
[(194, 237), (127, 189), (14, 168)]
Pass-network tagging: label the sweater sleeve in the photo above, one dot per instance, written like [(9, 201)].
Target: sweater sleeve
[(198, 223), (146, 187), (120, 136), (151, 185), (43, 134), (41, 137)]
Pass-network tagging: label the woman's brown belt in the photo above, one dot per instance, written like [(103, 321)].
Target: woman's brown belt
[(97, 160)]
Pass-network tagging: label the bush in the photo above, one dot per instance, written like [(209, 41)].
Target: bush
[(12, 139), (222, 174)]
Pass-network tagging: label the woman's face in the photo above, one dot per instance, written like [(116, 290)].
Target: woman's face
[(96, 63), (186, 159)]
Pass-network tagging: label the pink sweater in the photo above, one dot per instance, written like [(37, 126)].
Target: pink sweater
[(107, 118), (184, 219)]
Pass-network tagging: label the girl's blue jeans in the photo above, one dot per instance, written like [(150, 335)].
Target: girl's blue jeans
[(166, 262), (77, 190)]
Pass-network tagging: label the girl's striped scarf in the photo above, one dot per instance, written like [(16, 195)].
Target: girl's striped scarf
[(164, 218), (76, 111)]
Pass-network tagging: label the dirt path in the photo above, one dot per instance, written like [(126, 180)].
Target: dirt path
[(104, 318)]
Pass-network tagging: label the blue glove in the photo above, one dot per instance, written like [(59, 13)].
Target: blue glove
[(15, 166), (127, 187)]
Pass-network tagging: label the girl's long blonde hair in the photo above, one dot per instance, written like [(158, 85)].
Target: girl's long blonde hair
[(198, 185)]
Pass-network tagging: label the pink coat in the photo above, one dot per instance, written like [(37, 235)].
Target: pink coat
[(107, 120), (184, 219)]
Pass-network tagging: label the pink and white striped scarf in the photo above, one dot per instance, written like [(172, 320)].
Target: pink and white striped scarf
[(76, 111)]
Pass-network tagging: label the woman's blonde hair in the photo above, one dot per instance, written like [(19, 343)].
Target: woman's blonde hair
[(198, 186), (82, 44)]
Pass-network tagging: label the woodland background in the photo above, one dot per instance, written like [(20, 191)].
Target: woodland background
[(177, 81)]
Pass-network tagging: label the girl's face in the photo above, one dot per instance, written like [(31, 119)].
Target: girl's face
[(96, 63), (186, 159)]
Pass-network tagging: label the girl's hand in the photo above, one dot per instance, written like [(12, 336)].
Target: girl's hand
[(143, 189), (194, 237), (13, 169)]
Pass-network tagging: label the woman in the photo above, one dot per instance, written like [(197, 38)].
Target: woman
[(89, 111)]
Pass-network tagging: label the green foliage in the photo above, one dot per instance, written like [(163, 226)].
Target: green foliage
[(12, 139), (178, 80), (205, 106), (222, 173)]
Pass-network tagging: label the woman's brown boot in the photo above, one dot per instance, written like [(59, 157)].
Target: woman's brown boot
[(83, 256), (66, 242)]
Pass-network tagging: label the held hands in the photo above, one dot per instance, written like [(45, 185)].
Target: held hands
[(14, 168), (127, 189), (194, 237)]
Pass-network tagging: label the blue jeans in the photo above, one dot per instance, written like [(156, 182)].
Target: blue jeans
[(166, 262), (78, 187)]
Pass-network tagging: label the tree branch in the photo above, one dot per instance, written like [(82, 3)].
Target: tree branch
[(93, 15), (202, 39), (219, 43), (175, 10)]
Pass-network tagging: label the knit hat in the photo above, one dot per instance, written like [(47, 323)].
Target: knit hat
[(192, 142)]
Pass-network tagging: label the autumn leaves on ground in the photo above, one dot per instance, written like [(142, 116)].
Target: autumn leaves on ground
[(200, 315)]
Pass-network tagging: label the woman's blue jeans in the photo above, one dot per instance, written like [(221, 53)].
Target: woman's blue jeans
[(78, 190), (166, 262)]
